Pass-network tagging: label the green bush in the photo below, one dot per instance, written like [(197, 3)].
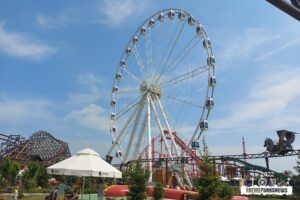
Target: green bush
[(20, 195), (35, 175), (209, 185), (90, 191), (225, 191), (138, 177), (158, 191)]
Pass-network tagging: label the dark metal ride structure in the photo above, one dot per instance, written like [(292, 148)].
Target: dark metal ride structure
[(41, 146), (282, 148), (291, 7)]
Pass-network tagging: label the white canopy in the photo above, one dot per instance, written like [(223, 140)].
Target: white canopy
[(85, 163)]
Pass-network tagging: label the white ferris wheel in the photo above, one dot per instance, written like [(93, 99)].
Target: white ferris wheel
[(164, 83)]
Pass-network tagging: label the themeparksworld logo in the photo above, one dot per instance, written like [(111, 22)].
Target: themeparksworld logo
[(268, 185)]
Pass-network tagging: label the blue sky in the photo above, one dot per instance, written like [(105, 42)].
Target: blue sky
[(58, 59)]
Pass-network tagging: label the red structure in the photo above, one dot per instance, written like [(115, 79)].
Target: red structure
[(189, 159)]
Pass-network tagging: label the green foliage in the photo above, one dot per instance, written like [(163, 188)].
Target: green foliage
[(126, 174), (5, 171), (20, 195), (158, 191), (32, 169), (35, 175), (73, 180), (9, 171), (209, 185), (137, 182), (225, 191), (42, 176), (297, 167)]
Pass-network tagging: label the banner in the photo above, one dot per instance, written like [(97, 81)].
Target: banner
[(267, 190)]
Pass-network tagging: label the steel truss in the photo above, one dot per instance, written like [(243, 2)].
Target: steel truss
[(41, 146), (221, 157)]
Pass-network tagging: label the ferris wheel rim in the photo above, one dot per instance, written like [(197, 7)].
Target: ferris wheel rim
[(209, 90)]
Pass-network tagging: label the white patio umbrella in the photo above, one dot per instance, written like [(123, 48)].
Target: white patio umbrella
[(85, 163)]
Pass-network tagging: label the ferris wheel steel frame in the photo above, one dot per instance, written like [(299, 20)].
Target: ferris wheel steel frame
[(151, 85)]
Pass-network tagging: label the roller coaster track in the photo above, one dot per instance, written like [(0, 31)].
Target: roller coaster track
[(226, 157), (257, 155)]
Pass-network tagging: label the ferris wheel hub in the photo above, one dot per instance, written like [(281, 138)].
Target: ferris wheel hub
[(151, 88)]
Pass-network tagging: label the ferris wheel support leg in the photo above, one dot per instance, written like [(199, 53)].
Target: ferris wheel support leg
[(149, 147), (165, 141), (160, 128), (137, 147), (122, 132), (136, 123), (173, 140), (168, 126)]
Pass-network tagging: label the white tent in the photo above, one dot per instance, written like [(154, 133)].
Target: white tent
[(86, 163)]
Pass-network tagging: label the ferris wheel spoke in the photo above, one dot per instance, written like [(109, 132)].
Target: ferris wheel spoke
[(180, 57), (128, 92), (186, 76), (185, 102), (139, 140), (156, 89), (131, 75), (168, 51), (127, 108), (149, 52), (167, 124), (117, 140), (135, 126), (139, 60), (160, 127)]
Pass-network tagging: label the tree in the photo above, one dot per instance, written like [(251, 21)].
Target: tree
[(9, 170), (209, 185), (14, 170), (42, 176), (35, 175), (137, 182), (225, 191), (297, 167), (296, 179), (158, 191)]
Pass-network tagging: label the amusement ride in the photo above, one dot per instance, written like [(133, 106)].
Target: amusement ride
[(162, 91)]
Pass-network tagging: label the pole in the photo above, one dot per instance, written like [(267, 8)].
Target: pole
[(167, 172), (82, 191), (267, 163), (268, 168), (149, 138)]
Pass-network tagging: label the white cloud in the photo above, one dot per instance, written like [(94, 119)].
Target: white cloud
[(110, 13), (68, 16), (275, 51), (18, 111), (244, 44), (90, 92), (22, 46), (114, 13), (269, 101), (92, 89), (91, 116)]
